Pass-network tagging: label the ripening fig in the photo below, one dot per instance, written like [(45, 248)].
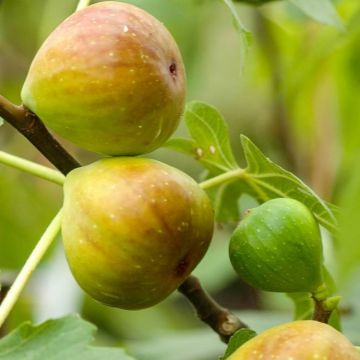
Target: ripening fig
[(298, 340), (110, 78), (277, 247), (133, 229)]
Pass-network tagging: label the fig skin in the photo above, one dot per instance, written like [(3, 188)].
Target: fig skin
[(298, 340), (110, 78), (133, 229), (277, 247)]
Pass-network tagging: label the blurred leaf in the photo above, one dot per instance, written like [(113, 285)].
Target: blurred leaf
[(321, 10), (329, 281), (215, 270), (268, 180), (66, 338), (348, 247), (201, 344), (1, 121), (335, 320), (27, 205), (304, 305), (245, 35), (238, 339), (227, 202)]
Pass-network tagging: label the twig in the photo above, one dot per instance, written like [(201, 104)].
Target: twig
[(221, 320), (29, 125)]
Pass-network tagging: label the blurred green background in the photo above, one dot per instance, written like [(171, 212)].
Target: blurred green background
[(297, 97)]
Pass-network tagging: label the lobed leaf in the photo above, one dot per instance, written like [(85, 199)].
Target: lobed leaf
[(65, 338), (268, 180)]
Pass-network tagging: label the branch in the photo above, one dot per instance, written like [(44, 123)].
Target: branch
[(221, 320), (30, 126)]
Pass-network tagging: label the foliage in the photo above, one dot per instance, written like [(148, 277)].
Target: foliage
[(285, 75)]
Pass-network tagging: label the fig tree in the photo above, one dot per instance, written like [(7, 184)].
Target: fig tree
[(277, 247), (133, 229), (110, 78), (298, 340)]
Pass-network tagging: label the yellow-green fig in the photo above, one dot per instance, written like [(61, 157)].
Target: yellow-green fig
[(110, 78), (298, 340), (133, 229)]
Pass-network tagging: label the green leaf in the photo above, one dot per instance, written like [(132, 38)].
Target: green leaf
[(66, 338), (268, 180), (210, 144), (238, 339), (321, 10), (186, 146), (1, 121), (303, 305)]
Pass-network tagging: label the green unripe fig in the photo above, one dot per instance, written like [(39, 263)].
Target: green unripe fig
[(133, 229), (277, 247), (298, 340), (110, 78)]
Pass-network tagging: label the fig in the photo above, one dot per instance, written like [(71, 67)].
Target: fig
[(298, 340), (133, 229), (110, 79), (277, 247)]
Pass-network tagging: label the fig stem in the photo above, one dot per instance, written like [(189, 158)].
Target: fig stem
[(32, 168), (221, 320), (82, 4), (30, 265), (320, 312), (218, 180), (30, 126)]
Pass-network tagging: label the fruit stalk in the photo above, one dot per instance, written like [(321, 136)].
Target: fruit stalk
[(31, 263), (32, 168), (82, 4)]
